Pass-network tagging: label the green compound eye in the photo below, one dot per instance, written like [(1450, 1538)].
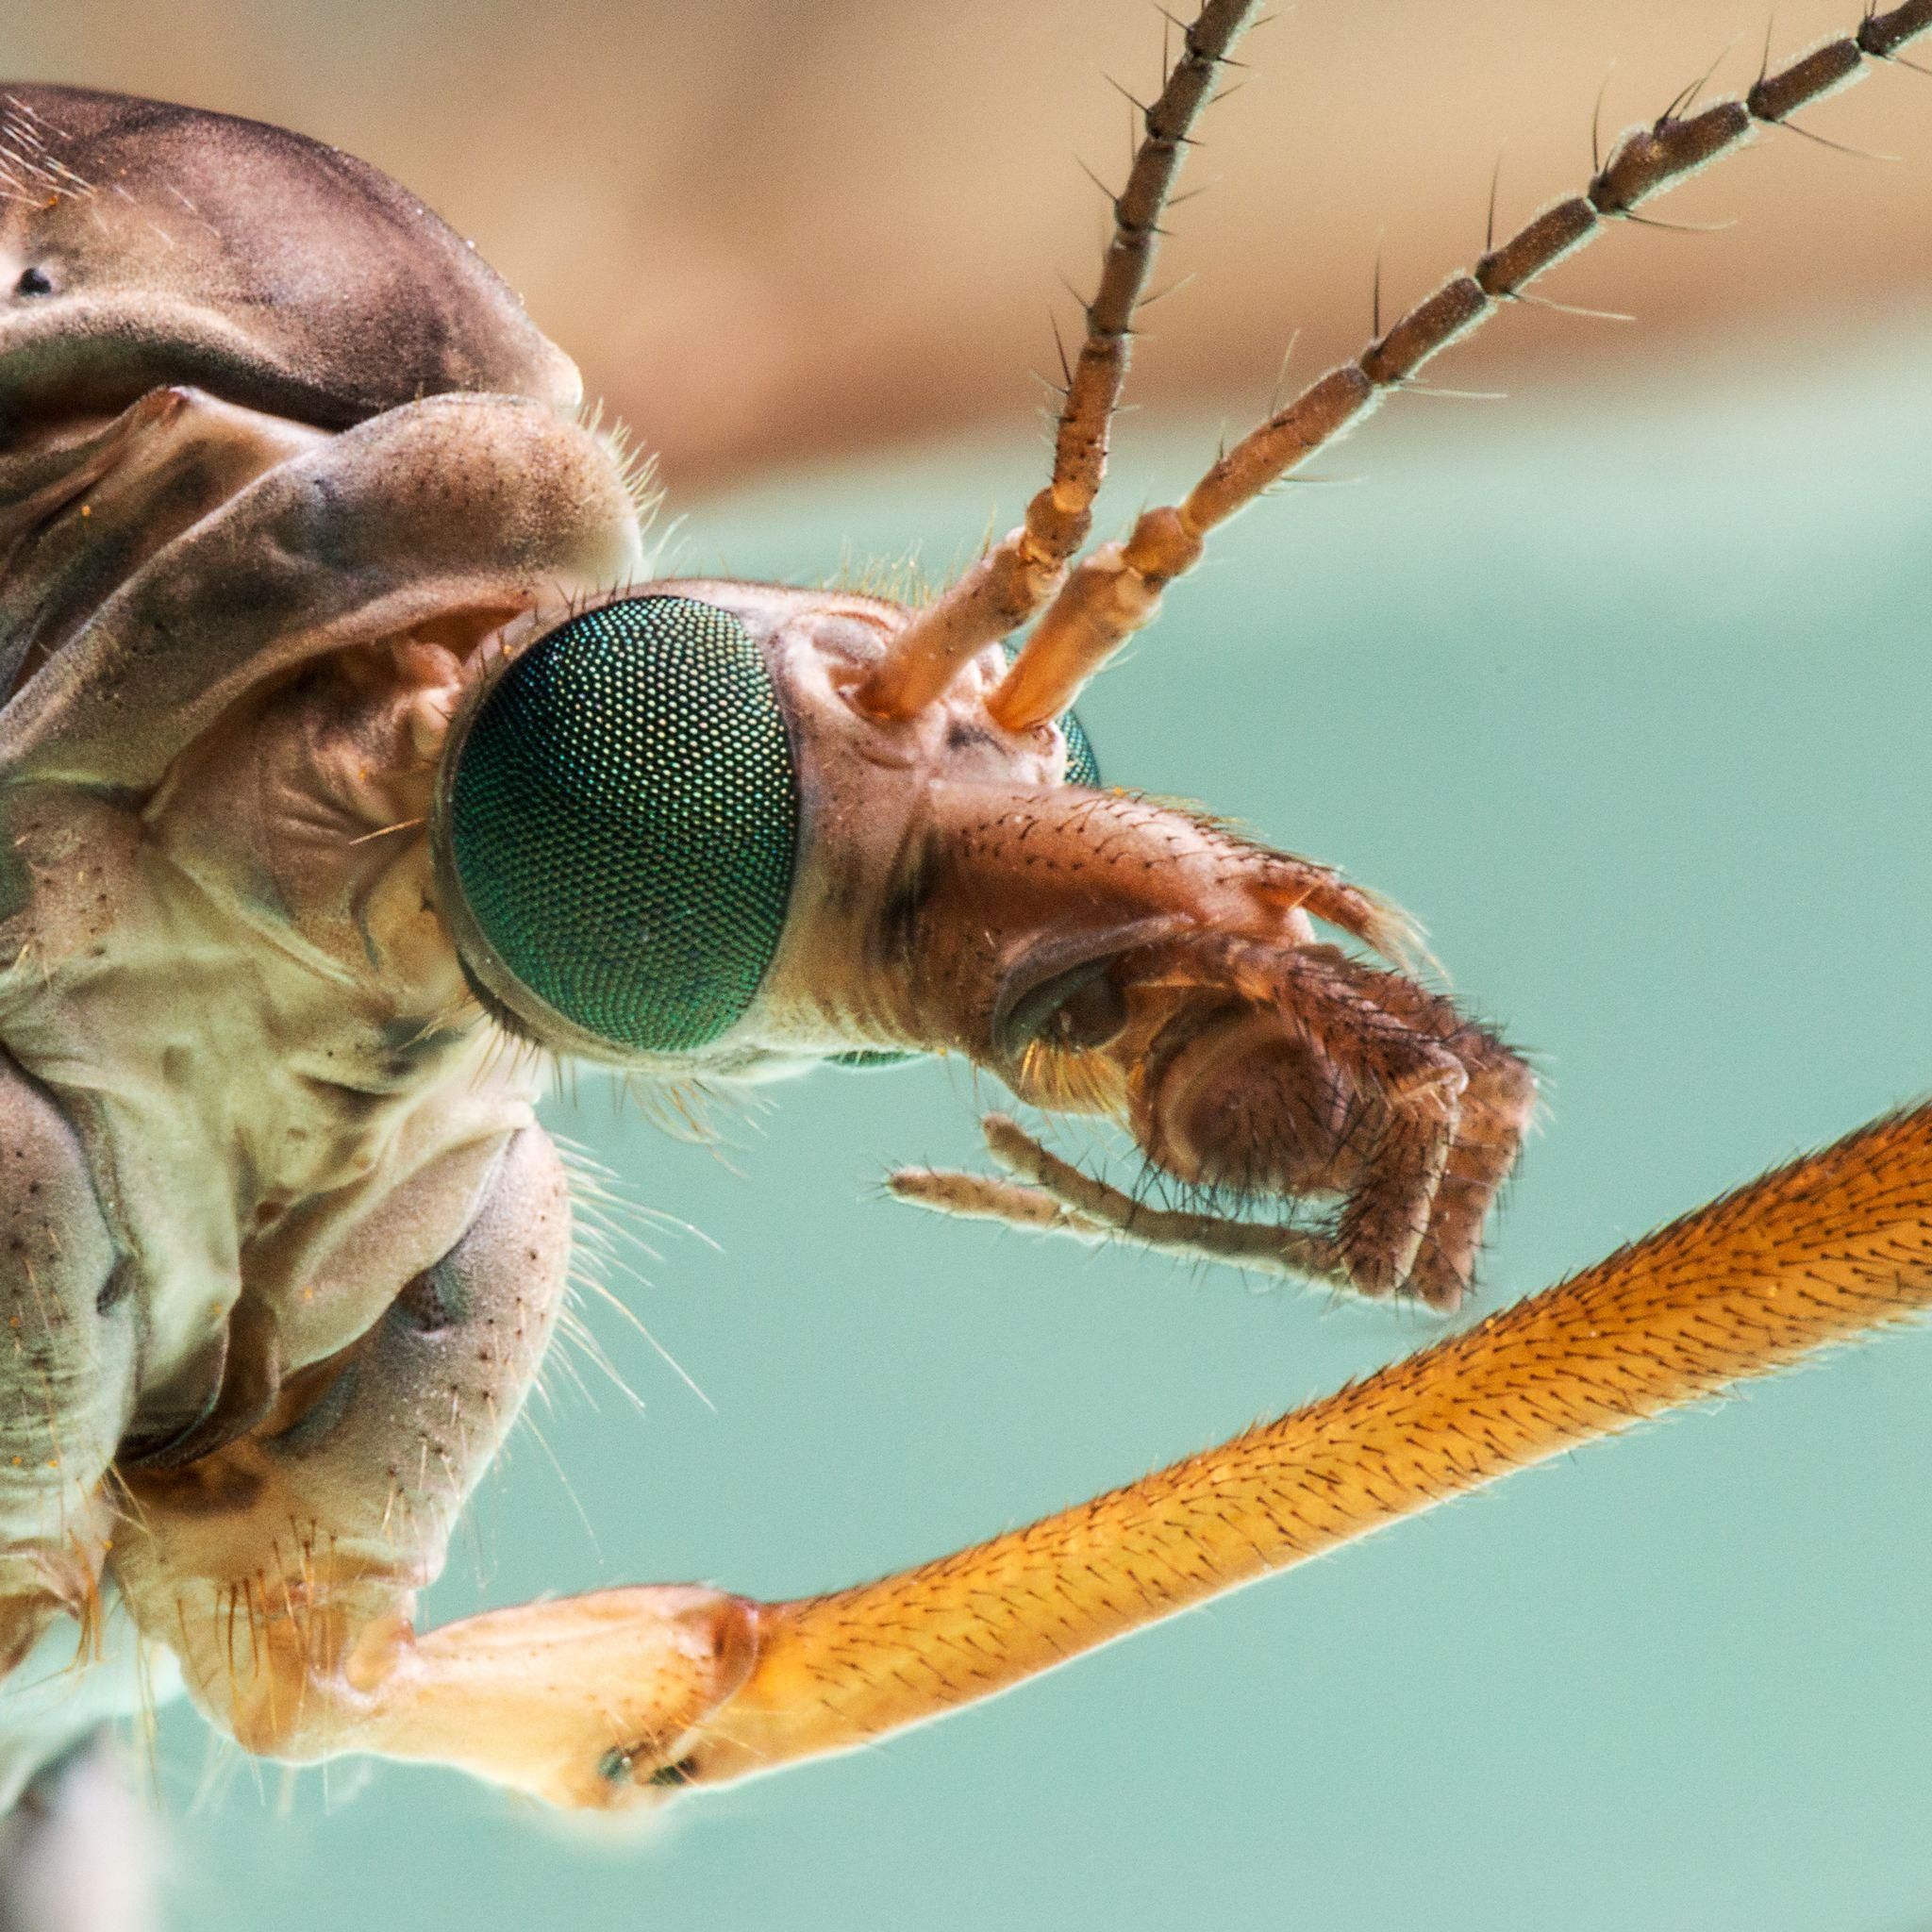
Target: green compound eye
[(624, 819), (1083, 768)]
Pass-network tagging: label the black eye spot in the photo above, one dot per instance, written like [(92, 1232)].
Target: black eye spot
[(1079, 1010), (1090, 1017), (433, 1302), (34, 281)]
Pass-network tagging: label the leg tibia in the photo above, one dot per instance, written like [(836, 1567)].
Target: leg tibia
[(1821, 1251)]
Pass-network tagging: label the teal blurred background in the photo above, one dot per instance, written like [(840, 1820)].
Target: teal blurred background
[(1624, 687), (774, 230)]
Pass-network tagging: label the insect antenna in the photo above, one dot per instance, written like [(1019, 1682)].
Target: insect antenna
[(1116, 590), (1018, 575), (1843, 147)]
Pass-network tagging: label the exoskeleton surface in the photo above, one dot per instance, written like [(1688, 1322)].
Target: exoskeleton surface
[(276, 451)]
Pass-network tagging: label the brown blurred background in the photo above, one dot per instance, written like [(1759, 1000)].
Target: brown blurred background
[(770, 231)]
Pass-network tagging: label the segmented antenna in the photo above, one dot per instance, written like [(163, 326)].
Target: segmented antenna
[(1007, 585), (1116, 590)]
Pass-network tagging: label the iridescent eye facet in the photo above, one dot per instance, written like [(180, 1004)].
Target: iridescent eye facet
[(1083, 768), (623, 822)]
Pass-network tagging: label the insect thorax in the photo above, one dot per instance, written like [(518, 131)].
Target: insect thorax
[(239, 992)]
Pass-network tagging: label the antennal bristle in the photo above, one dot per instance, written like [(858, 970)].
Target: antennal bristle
[(1017, 577)]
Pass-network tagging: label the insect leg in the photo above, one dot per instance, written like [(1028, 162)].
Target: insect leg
[(1813, 1253), (586, 1701), (281, 1569)]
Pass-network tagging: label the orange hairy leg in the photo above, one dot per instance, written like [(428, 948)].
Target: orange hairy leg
[(1815, 1253)]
